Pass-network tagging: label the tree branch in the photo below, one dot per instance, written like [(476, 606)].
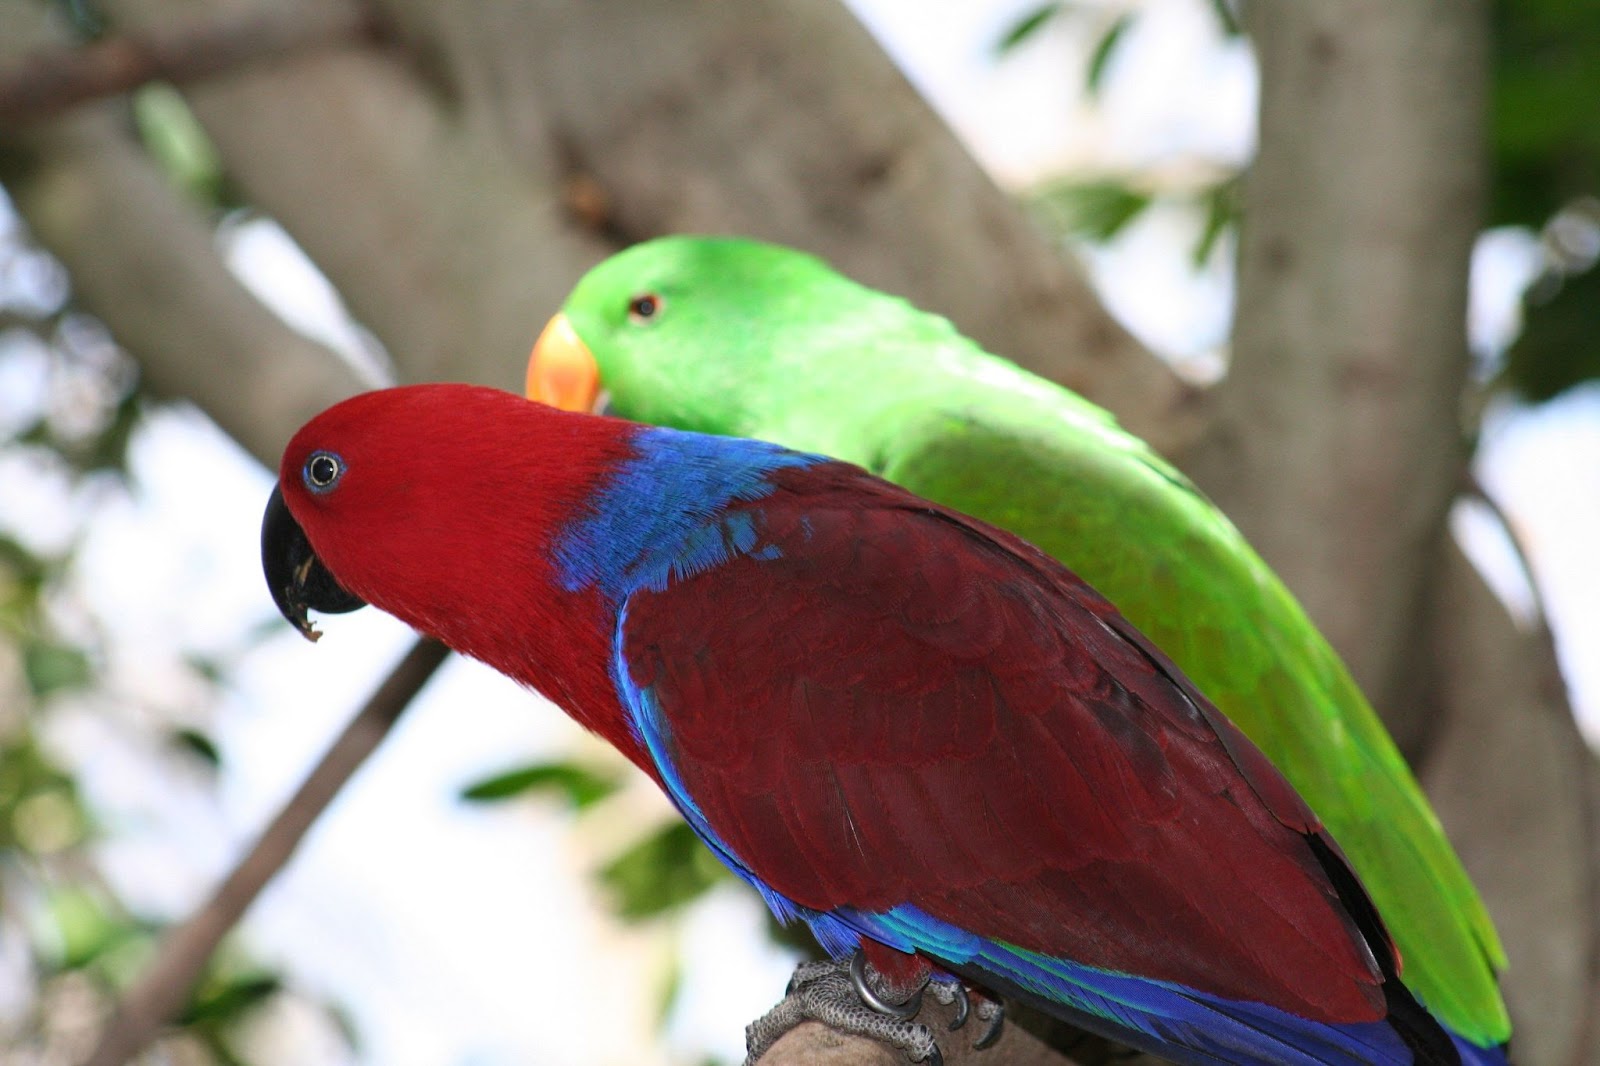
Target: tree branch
[(1339, 449), (1519, 792), (145, 262), (426, 183), (51, 80), (163, 988), (1338, 446), (450, 251)]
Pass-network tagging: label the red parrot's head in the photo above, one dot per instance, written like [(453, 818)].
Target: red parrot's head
[(433, 502)]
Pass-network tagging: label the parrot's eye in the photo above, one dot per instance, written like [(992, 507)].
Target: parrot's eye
[(644, 307), (322, 471)]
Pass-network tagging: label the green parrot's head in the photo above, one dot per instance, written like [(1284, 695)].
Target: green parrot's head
[(706, 333)]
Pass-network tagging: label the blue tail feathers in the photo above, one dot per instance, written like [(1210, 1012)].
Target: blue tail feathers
[(1182, 1024)]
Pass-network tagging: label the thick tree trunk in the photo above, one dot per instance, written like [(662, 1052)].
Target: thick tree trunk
[(1338, 445), (1338, 448)]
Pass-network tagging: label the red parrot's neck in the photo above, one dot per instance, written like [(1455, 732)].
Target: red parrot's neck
[(448, 516)]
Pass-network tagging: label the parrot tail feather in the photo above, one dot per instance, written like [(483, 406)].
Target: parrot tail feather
[(1478, 1055), (1182, 1024)]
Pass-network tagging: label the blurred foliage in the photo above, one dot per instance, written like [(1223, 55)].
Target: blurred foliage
[(1094, 76), (1097, 209), (75, 943), (1027, 26), (182, 150), (1545, 116), (1560, 342), (1544, 138), (661, 872), (578, 785), (1545, 135), (1094, 210)]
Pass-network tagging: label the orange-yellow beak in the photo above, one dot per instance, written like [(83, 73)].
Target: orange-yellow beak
[(561, 372)]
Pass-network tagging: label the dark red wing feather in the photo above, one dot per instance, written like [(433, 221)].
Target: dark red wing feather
[(907, 706)]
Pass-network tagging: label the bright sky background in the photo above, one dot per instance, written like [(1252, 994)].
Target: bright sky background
[(471, 936)]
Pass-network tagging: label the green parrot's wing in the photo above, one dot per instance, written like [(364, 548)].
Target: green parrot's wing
[(757, 340), (1065, 478)]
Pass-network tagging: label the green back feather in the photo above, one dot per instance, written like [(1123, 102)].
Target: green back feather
[(755, 340)]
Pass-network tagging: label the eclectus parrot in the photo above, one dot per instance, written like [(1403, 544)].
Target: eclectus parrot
[(928, 740), (735, 337)]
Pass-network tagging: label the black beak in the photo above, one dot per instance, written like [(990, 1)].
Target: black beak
[(296, 577)]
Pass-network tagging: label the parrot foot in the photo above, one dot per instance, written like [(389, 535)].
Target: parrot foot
[(988, 1010), (993, 1012), (840, 995)]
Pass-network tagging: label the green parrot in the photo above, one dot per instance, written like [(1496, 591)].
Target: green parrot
[(741, 338)]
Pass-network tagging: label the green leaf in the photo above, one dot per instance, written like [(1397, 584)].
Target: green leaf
[(1225, 16), (661, 873), (109, 450), (177, 142), (52, 668), (209, 668), (23, 575), (196, 743), (224, 1000), (1559, 346), (1101, 56), (578, 785), (1026, 26), (1544, 139), (85, 928), (1090, 210), (1221, 205)]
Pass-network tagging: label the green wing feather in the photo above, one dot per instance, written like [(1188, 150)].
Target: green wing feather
[(765, 342)]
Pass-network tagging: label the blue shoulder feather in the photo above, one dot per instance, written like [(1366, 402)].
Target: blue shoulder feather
[(681, 483)]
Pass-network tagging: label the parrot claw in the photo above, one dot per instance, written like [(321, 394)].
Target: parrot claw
[(841, 996), (963, 1007), (902, 1012), (948, 992), (993, 1012)]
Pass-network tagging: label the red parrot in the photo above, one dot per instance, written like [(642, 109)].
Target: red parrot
[(932, 743)]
